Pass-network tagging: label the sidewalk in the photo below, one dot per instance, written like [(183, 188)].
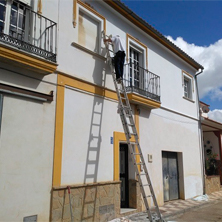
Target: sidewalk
[(173, 208)]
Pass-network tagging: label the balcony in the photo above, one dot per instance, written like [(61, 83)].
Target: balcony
[(142, 86), (27, 38)]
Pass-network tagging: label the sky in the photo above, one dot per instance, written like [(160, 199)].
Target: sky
[(195, 27)]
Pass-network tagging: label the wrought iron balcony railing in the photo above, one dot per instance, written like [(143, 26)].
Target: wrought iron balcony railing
[(141, 81), (28, 31)]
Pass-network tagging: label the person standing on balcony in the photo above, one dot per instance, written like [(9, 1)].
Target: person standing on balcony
[(119, 58)]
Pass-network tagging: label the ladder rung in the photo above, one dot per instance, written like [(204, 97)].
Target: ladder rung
[(133, 143), (149, 196), (131, 124), (134, 134), (145, 185), (126, 107), (136, 153), (142, 174), (140, 163)]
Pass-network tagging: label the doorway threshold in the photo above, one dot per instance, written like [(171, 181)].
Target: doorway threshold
[(127, 210)]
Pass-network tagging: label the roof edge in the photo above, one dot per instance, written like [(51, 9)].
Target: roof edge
[(139, 22)]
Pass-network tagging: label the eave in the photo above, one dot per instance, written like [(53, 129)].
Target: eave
[(143, 25)]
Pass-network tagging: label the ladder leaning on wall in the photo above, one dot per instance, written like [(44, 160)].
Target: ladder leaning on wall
[(130, 130)]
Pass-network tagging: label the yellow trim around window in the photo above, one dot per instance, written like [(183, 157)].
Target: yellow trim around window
[(39, 7), (128, 37), (89, 9), (74, 13)]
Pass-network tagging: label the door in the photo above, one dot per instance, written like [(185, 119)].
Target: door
[(124, 176), (136, 70), (170, 176)]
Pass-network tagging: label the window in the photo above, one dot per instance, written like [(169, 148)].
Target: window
[(12, 18), (135, 71), (187, 85), (90, 26), (88, 32), (135, 67)]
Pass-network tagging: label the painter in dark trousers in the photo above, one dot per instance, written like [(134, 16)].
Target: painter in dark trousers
[(119, 58)]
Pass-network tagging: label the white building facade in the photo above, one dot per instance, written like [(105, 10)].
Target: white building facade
[(82, 140), (91, 155)]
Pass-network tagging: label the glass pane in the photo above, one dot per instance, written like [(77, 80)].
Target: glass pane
[(12, 32), (20, 34), (20, 23), (13, 18), (14, 6), (2, 12), (1, 26)]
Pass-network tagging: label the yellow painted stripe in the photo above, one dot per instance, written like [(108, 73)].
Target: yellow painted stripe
[(88, 87), (57, 168), (134, 98), (74, 13), (42, 65)]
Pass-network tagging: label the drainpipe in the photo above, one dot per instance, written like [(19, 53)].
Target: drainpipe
[(201, 132)]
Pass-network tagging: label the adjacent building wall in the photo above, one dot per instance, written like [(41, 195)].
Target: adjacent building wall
[(26, 146)]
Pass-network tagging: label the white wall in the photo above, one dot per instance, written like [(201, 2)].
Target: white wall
[(26, 149), (164, 131), (87, 118)]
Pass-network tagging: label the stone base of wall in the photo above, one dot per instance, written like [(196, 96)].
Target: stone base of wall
[(212, 184), (90, 202), (134, 195)]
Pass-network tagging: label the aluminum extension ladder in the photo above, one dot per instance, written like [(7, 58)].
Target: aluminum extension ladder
[(130, 130)]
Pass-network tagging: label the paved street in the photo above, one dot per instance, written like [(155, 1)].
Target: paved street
[(209, 209), (208, 212)]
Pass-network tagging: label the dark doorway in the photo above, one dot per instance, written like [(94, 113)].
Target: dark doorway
[(170, 176), (124, 175)]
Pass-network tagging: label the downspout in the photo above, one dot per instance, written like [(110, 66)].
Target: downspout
[(201, 132)]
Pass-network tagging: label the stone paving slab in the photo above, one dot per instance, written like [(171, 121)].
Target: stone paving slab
[(172, 208)]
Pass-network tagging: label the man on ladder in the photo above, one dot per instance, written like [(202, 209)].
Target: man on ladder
[(129, 127), (119, 51)]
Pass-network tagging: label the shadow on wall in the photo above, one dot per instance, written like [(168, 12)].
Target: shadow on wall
[(20, 77), (95, 138)]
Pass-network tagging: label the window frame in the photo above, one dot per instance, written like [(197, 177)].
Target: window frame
[(186, 77), (7, 22), (90, 12), (137, 45), (134, 44)]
